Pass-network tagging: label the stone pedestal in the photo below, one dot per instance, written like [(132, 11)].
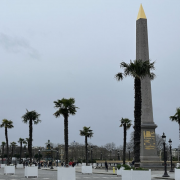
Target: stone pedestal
[(149, 155)]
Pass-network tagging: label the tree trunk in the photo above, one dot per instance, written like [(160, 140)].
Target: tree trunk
[(30, 140), (66, 139), (20, 151), (137, 119), (7, 147), (124, 147), (86, 150)]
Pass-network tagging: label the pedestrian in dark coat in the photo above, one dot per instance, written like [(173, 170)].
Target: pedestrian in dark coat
[(106, 165)]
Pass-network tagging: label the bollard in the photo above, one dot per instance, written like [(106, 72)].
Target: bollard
[(114, 170)]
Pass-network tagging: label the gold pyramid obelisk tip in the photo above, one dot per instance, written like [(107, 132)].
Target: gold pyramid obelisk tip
[(141, 13)]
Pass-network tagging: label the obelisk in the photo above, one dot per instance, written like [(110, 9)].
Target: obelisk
[(148, 151)]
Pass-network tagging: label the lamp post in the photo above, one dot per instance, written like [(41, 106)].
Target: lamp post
[(118, 155), (51, 160), (110, 154), (88, 156), (39, 167), (170, 143), (25, 154), (177, 150), (91, 153), (57, 159), (101, 155), (129, 153), (165, 165)]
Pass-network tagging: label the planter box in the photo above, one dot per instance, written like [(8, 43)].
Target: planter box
[(9, 170), (66, 173), (31, 171), (177, 174), (119, 171), (19, 166), (126, 175), (136, 174), (3, 165), (86, 169)]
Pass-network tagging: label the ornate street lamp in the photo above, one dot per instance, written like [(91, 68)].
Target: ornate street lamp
[(88, 156), (91, 153), (170, 145), (57, 159), (25, 154), (165, 165), (118, 155), (51, 160), (129, 153), (101, 155), (39, 167)]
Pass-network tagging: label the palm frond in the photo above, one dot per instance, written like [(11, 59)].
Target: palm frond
[(125, 121), (86, 132), (31, 116), (65, 107), (7, 124), (119, 76), (137, 69)]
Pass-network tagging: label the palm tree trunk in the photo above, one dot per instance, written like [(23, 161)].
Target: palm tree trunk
[(20, 151), (66, 139), (137, 119), (30, 140), (86, 150), (124, 147), (6, 135)]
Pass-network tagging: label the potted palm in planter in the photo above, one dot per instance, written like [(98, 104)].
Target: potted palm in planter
[(66, 107)]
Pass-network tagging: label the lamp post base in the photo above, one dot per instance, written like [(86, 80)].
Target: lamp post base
[(165, 175), (51, 167), (171, 170)]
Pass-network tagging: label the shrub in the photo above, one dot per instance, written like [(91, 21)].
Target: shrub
[(118, 166)]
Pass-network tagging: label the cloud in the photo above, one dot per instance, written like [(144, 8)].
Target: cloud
[(17, 45)]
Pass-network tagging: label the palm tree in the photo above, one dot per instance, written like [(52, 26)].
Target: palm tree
[(7, 124), (87, 132), (138, 70), (13, 145), (21, 141), (176, 118), (31, 117), (65, 107), (3, 144), (126, 124)]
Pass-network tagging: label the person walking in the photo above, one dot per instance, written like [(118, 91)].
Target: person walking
[(106, 165)]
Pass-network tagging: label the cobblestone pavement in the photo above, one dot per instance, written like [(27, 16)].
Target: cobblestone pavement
[(52, 175)]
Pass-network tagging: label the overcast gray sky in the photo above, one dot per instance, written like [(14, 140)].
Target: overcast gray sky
[(55, 49)]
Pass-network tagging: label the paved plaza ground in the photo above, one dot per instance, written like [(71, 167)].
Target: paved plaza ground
[(52, 175)]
